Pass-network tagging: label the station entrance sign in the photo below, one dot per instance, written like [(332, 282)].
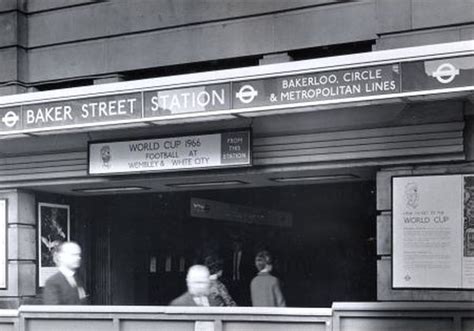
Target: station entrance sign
[(302, 89)]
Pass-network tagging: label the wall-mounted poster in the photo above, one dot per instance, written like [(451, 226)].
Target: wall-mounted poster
[(433, 232), (3, 243), (53, 228)]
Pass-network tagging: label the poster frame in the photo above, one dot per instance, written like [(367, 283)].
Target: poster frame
[(441, 289), (42, 269), (165, 136)]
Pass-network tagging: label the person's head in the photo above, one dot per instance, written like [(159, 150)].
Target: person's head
[(198, 280), (263, 260), (68, 255), (214, 264)]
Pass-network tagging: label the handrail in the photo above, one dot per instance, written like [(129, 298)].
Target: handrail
[(402, 306), (286, 311)]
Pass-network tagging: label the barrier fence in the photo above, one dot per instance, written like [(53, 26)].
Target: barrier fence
[(355, 316)]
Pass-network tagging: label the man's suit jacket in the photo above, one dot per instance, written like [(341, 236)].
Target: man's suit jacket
[(187, 300), (58, 291)]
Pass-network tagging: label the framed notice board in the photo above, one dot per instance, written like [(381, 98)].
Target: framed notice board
[(433, 232), (53, 229)]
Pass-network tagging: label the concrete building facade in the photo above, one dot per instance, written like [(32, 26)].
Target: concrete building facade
[(55, 49)]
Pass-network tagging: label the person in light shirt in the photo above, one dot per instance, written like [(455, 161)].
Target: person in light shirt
[(198, 283), (64, 287)]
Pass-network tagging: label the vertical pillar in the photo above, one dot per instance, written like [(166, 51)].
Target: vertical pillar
[(21, 249), (13, 55), (469, 129)]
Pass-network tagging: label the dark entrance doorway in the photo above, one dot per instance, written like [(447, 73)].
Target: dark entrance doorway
[(144, 243)]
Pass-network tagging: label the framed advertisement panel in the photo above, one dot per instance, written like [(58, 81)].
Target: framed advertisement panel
[(433, 232), (53, 228), (176, 153), (3, 243)]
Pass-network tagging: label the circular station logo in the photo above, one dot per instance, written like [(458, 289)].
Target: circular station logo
[(246, 94), (445, 73), (10, 119)]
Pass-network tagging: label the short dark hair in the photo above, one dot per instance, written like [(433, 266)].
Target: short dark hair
[(213, 263), (265, 256)]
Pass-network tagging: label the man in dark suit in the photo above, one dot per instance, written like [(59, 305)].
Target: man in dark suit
[(64, 288), (198, 283)]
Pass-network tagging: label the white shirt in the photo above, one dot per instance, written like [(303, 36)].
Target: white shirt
[(69, 274), (201, 301)]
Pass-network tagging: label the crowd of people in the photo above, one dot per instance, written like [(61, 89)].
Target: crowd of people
[(203, 285)]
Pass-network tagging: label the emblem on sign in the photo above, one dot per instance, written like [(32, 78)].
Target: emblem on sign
[(411, 195), (445, 73), (246, 94), (10, 119), (106, 156)]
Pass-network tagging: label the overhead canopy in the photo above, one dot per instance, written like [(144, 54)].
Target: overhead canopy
[(383, 76)]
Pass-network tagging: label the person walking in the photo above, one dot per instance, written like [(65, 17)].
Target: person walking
[(64, 287), (265, 288), (218, 291), (198, 283)]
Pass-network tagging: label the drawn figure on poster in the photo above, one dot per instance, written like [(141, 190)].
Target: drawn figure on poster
[(106, 156), (469, 216), (411, 195), (53, 232)]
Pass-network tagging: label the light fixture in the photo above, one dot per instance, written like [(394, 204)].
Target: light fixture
[(118, 189), (16, 135), (207, 184), (313, 178)]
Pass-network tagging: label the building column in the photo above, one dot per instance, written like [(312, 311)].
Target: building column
[(469, 129), (21, 249), (13, 43)]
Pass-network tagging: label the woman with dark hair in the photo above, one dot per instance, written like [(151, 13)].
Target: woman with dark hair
[(218, 291)]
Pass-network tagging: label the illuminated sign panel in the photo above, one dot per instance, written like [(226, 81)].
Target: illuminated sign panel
[(10, 119), (319, 86), (438, 74), (311, 88), (226, 149), (187, 100), (82, 111)]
